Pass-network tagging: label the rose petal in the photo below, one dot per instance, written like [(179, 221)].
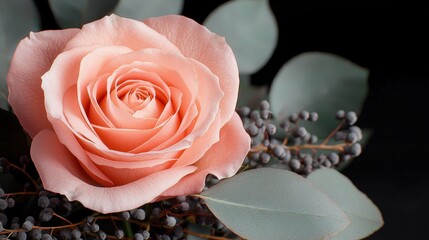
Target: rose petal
[(61, 173), (197, 42), (114, 30), (222, 160), (33, 57)]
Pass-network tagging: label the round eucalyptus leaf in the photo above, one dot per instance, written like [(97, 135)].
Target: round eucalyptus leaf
[(250, 29), (75, 13), (141, 9), (268, 203), (17, 19), (365, 217), (320, 82)]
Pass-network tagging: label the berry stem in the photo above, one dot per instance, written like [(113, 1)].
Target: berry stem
[(333, 133), (25, 173)]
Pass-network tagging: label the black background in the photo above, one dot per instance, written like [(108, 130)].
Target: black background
[(385, 37)]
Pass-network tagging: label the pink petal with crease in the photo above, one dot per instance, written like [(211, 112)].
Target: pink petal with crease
[(114, 30), (197, 42), (61, 173), (33, 57), (223, 159)]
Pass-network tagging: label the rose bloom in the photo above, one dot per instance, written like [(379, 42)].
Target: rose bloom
[(124, 112)]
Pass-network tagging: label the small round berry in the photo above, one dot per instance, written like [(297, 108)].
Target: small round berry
[(340, 136), (1, 192), (36, 234), (295, 164), (307, 159), (184, 206), (301, 132), (259, 123), (293, 118), (139, 214), (125, 215), (252, 130), (138, 236), (180, 199), (264, 105), (271, 129), (355, 149), (45, 215), (313, 139), (244, 111), (327, 164), (43, 201), (285, 125), (255, 114), (46, 236), (340, 114), (21, 236), (278, 151), (102, 235), (264, 157), (304, 115), (314, 116), (146, 234), (119, 233), (357, 130), (27, 226), (334, 158), (1, 227), (352, 137), (351, 118), (76, 233), (165, 237), (94, 227), (31, 219), (170, 221), (10, 202), (3, 204), (90, 219)]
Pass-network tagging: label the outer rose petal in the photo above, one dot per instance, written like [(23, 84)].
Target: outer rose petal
[(222, 160), (33, 57), (197, 42), (61, 173)]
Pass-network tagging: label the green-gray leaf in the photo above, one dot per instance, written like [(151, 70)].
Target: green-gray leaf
[(270, 203), (17, 19), (141, 9), (364, 216), (75, 13), (320, 82), (250, 29)]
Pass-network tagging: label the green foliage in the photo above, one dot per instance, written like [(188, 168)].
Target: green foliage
[(75, 13), (320, 82), (250, 29), (270, 203), (365, 218)]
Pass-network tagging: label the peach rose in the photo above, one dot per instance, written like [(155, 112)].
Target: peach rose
[(124, 112)]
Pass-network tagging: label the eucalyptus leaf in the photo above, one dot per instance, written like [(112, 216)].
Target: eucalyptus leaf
[(321, 82), (75, 13), (268, 203), (141, 9), (17, 19), (365, 217), (250, 29)]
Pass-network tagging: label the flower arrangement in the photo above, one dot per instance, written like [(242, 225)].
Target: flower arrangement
[(135, 133)]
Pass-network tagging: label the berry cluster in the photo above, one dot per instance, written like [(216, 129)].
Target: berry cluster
[(50, 216), (286, 143)]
